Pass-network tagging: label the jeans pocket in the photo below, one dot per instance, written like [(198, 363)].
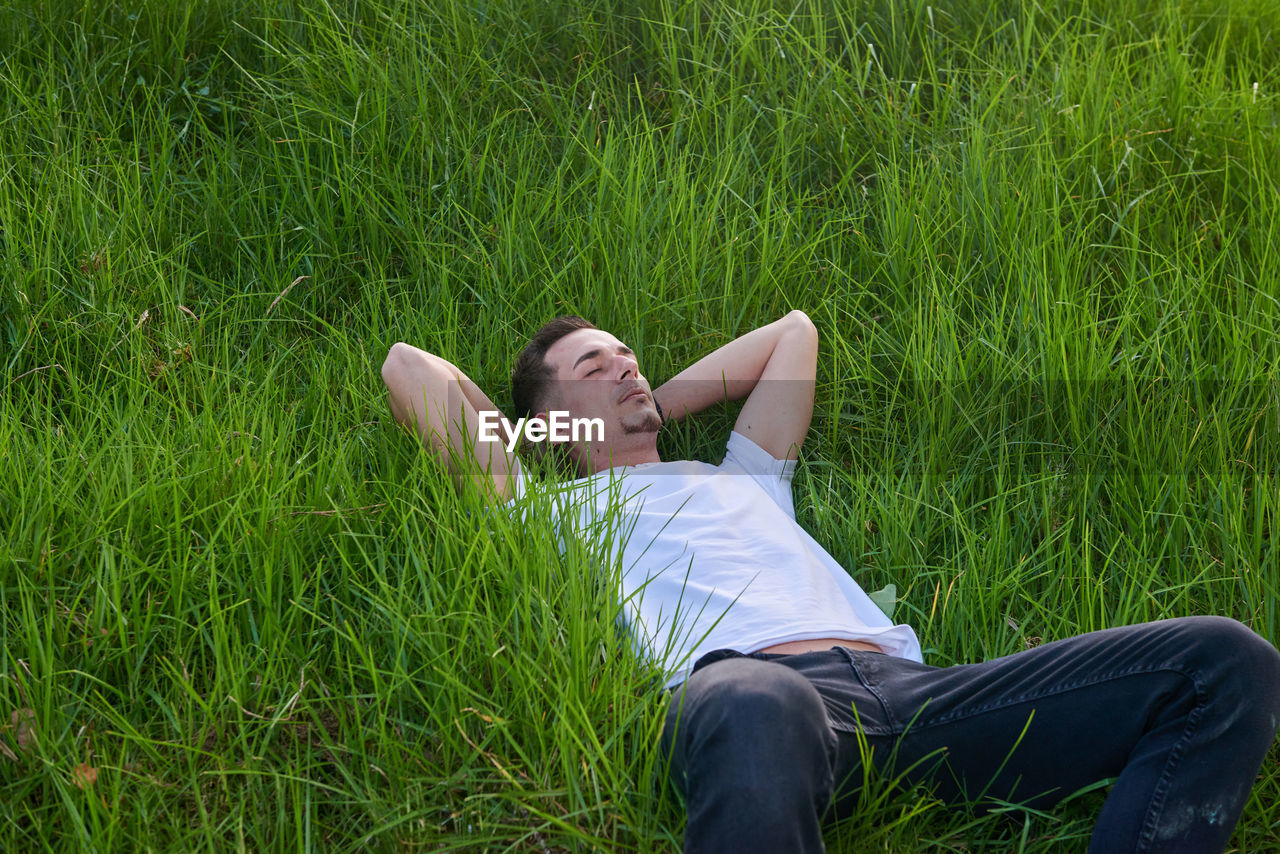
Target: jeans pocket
[(851, 704)]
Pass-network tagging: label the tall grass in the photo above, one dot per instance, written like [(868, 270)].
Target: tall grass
[(241, 610)]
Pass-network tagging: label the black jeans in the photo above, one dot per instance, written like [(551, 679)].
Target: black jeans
[(1181, 712)]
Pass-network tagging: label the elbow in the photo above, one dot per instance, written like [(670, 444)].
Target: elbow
[(408, 375), (394, 363), (404, 366), (800, 324)]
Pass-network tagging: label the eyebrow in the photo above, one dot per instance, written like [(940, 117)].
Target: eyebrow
[(596, 351)]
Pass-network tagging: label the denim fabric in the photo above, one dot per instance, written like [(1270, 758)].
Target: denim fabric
[(1181, 712)]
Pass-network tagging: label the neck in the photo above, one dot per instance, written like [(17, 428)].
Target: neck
[(632, 451)]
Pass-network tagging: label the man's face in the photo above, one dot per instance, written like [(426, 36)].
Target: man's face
[(597, 376)]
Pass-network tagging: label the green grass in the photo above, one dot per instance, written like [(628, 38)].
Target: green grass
[(1039, 239)]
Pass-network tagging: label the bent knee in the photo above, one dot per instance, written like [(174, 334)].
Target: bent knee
[(1224, 637), (1245, 663), (745, 692)]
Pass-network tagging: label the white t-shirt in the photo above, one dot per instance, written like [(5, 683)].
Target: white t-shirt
[(713, 558)]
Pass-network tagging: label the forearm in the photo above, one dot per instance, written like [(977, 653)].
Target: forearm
[(436, 378), (443, 406), (472, 392), (731, 372)]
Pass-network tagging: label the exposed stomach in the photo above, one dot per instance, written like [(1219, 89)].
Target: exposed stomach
[(818, 645)]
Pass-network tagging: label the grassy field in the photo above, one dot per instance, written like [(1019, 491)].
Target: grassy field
[(241, 610)]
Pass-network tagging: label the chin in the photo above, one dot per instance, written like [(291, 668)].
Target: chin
[(642, 422)]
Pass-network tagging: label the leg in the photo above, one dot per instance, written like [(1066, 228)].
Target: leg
[(750, 749), (1181, 712)]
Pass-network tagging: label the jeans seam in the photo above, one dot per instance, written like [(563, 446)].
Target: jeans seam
[(1055, 690), (893, 727), (1156, 806), (1061, 688)]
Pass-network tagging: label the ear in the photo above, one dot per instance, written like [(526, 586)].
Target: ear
[(543, 419), (537, 429)]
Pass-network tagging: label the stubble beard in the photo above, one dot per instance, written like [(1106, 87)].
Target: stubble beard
[(641, 422)]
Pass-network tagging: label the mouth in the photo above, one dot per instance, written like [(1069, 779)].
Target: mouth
[(636, 392)]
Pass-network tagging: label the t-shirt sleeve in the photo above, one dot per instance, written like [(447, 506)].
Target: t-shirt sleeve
[(771, 474)]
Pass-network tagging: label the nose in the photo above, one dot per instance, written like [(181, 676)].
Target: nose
[(625, 367)]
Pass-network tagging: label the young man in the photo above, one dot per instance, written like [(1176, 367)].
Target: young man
[(784, 675)]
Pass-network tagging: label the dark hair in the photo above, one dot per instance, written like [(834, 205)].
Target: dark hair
[(532, 376)]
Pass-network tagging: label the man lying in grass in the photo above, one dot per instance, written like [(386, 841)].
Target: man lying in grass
[(780, 665)]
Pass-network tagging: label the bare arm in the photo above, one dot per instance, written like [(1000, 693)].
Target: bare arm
[(776, 415), (442, 405)]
